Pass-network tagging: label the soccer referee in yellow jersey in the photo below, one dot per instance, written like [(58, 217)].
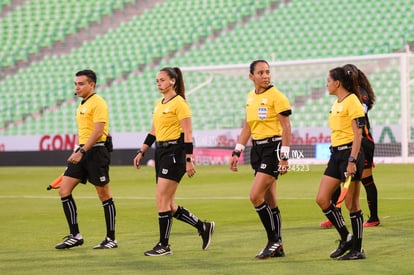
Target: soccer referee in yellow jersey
[(89, 161), (172, 134), (346, 119), (267, 123)]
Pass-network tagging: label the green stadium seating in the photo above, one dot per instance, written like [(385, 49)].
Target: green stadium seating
[(204, 33), (37, 24), (4, 3)]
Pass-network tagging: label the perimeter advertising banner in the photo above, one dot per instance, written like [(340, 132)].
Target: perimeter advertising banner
[(202, 139)]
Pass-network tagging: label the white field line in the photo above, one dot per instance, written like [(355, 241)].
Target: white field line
[(177, 198)]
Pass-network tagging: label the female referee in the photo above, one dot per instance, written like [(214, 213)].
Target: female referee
[(346, 119), (172, 132), (267, 122), (368, 145)]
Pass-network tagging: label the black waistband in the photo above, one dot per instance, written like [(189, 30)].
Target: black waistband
[(341, 147), (101, 143), (266, 140), (168, 143)]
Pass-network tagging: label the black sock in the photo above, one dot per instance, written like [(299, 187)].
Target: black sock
[(268, 222), (335, 216), (69, 207), (357, 221), (372, 197), (278, 222), (186, 216), (110, 214), (165, 223), (335, 195)]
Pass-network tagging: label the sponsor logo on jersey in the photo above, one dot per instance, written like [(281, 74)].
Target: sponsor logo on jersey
[(337, 109)]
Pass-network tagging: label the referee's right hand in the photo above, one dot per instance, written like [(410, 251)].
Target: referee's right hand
[(75, 157), (233, 163), (137, 161)]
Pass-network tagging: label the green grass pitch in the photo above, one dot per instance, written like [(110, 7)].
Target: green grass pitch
[(32, 222)]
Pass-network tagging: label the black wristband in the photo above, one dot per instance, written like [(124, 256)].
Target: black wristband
[(149, 140), (188, 148), (236, 153), (140, 151)]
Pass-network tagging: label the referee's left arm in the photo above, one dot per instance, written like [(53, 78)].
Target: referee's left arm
[(286, 132), (188, 145), (187, 129), (284, 150)]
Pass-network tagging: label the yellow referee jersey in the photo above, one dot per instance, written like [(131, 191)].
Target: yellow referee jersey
[(262, 110), (166, 118), (94, 109), (340, 119)]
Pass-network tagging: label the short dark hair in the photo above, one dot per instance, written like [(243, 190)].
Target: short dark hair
[(254, 63), (91, 75)]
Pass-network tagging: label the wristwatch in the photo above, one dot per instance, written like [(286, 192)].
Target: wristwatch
[(82, 151), (352, 159), (284, 157), (188, 159)]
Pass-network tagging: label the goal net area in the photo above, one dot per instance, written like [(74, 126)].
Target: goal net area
[(217, 95)]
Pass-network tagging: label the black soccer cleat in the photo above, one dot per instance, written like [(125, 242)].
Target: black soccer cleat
[(106, 244), (70, 241), (159, 250), (343, 247), (353, 255), (279, 252), (207, 233), (272, 249)]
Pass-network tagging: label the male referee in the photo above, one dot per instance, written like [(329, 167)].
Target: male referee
[(89, 161)]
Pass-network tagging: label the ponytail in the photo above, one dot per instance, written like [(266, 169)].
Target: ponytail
[(353, 83), (179, 84), (348, 79)]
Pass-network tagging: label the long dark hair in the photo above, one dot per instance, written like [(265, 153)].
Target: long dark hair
[(176, 74), (348, 79), (363, 83)]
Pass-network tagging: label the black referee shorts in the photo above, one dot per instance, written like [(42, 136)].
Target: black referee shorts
[(94, 167), (264, 158), (369, 147), (170, 162), (339, 161)]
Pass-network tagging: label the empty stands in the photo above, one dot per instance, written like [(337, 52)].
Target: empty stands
[(39, 99)]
